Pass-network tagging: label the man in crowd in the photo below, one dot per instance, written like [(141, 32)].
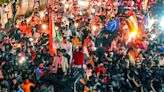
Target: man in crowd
[(40, 71), (107, 69), (14, 11), (68, 47), (78, 58), (60, 63), (27, 85)]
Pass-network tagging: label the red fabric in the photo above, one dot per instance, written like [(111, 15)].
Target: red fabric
[(23, 28), (145, 46), (78, 58), (51, 36), (139, 5), (105, 79), (28, 30), (100, 69), (52, 4), (33, 57)]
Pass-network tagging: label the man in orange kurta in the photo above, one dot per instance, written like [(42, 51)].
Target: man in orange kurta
[(26, 86)]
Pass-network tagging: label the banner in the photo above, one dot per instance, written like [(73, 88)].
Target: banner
[(132, 56), (133, 23)]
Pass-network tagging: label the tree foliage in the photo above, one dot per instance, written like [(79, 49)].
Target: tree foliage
[(4, 1)]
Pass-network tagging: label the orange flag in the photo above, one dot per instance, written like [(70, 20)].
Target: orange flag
[(51, 35), (132, 55)]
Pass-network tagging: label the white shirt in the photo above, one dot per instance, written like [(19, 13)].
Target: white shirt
[(161, 62), (68, 48), (68, 33)]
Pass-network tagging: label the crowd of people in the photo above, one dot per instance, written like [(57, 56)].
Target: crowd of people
[(94, 51)]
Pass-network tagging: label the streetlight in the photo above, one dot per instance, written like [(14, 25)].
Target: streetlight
[(44, 26)]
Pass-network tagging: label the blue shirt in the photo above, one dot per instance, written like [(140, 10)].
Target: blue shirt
[(38, 70), (20, 90), (112, 25), (161, 49)]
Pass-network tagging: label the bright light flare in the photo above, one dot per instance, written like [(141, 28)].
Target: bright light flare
[(152, 21), (81, 13), (132, 35), (93, 10), (63, 1), (94, 27), (19, 45), (98, 3), (28, 20), (19, 54), (83, 3), (44, 26), (30, 39), (66, 5), (56, 28), (162, 22), (22, 60), (153, 36), (76, 24)]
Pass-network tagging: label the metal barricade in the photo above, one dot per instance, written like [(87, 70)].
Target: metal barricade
[(74, 85)]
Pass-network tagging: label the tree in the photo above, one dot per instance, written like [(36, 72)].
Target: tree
[(29, 4), (5, 1), (19, 4)]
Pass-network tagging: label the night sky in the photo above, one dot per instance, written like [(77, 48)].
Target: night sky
[(158, 9)]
